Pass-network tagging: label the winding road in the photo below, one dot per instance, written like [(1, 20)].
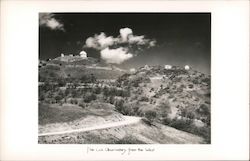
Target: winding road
[(128, 121)]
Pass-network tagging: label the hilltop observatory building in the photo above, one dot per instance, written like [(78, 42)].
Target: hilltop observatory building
[(168, 67), (83, 54), (187, 67)]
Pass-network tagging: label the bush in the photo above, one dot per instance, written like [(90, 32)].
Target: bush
[(73, 101), (166, 120), (97, 90), (165, 107), (150, 115), (88, 78), (119, 105), (181, 124), (61, 82), (82, 104), (113, 91), (203, 110), (187, 113), (89, 97), (144, 99)]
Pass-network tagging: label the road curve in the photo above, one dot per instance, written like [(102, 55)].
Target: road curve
[(128, 121)]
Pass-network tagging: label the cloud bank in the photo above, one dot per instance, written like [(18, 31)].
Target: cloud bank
[(48, 20), (118, 49)]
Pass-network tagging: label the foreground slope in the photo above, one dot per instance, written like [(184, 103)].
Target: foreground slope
[(111, 129)]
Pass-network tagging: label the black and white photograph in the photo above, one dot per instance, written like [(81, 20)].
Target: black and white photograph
[(124, 78)]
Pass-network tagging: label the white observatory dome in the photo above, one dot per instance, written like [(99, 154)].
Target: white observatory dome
[(168, 67), (187, 67), (83, 54)]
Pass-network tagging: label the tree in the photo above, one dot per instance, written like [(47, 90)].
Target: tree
[(89, 97), (165, 107), (203, 110), (97, 90), (150, 115), (119, 104)]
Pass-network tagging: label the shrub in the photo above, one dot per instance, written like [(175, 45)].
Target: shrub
[(61, 82), (73, 101), (111, 100), (203, 110), (195, 81), (165, 107), (58, 98), (150, 115), (82, 104), (89, 97), (188, 113), (97, 90), (119, 105), (144, 99), (181, 124), (127, 109), (166, 120)]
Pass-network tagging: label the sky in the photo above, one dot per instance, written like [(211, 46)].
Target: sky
[(129, 40)]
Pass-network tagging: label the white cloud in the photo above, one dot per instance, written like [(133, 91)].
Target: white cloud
[(122, 44), (105, 41), (48, 20), (91, 43), (152, 43), (100, 41), (137, 39), (126, 36), (125, 32), (116, 56)]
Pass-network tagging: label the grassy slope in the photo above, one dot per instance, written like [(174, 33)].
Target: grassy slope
[(54, 118), (60, 118)]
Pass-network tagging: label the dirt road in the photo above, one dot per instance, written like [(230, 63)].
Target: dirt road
[(128, 121)]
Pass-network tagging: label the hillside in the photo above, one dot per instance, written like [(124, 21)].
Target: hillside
[(164, 98), (76, 67), (60, 122), (176, 97)]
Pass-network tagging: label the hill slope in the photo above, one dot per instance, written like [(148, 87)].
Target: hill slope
[(76, 67), (176, 97), (162, 97)]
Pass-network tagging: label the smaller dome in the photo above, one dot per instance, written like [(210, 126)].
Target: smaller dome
[(187, 67), (168, 67), (83, 54)]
